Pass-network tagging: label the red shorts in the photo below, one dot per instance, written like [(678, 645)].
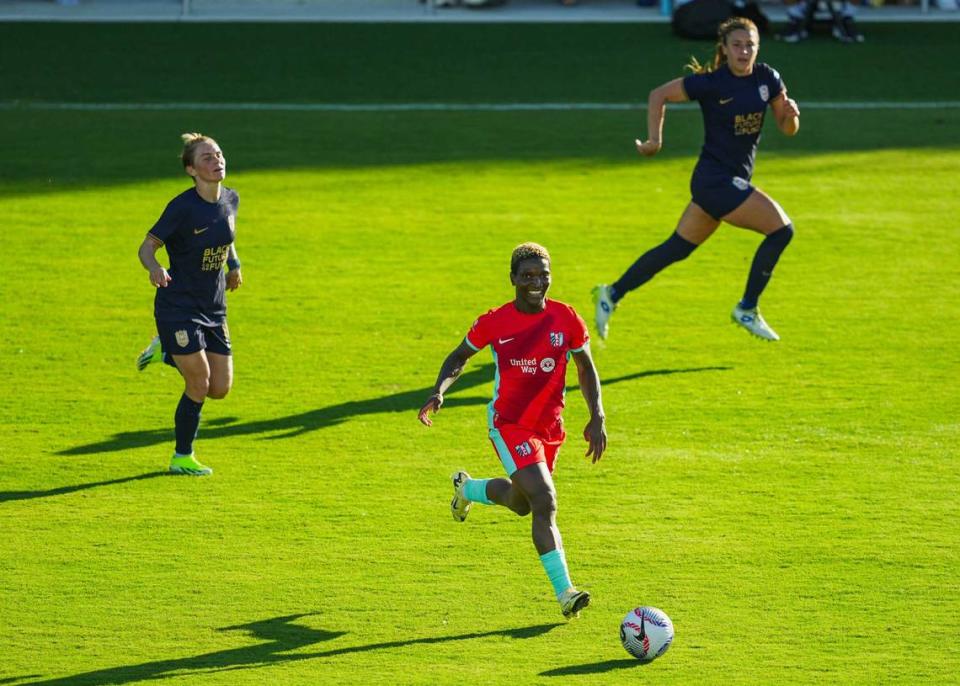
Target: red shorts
[(518, 447)]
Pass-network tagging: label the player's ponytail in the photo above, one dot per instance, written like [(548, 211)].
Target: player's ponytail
[(695, 66), (726, 27), (190, 143)]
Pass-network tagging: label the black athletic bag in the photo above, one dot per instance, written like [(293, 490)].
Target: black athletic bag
[(751, 10), (699, 19)]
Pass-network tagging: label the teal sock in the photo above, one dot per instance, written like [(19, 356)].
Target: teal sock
[(476, 491), (556, 565)]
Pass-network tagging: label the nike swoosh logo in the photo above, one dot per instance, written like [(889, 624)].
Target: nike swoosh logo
[(199, 231), (505, 340), (724, 101)]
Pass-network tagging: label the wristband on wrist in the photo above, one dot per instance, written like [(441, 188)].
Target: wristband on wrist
[(233, 264)]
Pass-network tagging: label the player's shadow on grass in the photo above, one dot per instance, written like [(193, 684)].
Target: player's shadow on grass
[(595, 667), (313, 420), (280, 636), (301, 423), (63, 490)]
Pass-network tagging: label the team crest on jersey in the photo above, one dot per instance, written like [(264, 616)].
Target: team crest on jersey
[(764, 93), (556, 339), (523, 450), (547, 364), (741, 183), (182, 338)]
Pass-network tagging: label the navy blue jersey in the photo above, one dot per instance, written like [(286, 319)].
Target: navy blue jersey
[(733, 108), (197, 235)]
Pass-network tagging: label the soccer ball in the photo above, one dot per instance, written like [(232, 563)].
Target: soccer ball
[(646, 633)]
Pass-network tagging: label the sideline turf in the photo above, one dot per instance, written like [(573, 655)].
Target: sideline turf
[(438, 63)]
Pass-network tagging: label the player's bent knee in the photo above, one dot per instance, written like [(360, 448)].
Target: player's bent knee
[(216, 393), (544, 504), (517, 503), (679, 247), (198, 388), (783, 235), (521, 509)]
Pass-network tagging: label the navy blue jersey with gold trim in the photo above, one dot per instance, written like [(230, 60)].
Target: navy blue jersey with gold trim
[(733, 109), (197, 235)]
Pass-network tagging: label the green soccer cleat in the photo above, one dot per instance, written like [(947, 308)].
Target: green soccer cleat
[(604, 307), (753, 322), (152, 353), (187, 464), (572, 601), (459, 506)]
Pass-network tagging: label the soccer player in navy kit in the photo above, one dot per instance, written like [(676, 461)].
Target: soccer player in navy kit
[(733, 94), (198, 230)]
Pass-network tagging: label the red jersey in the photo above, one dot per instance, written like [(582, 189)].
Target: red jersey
[(531, 353)]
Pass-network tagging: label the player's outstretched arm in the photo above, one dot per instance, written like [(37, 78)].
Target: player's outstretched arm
[(595, 433), (450, 371), (671, 91)]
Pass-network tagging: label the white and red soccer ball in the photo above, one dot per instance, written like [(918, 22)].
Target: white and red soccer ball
[(646, 633)]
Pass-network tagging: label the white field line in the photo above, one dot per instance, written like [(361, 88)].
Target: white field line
[(427, 106)]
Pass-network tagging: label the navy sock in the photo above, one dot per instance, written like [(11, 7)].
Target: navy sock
[(763, 263), (187, 422), (650, 263)]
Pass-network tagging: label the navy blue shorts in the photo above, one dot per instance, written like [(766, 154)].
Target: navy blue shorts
[(719, 195), (183, 338)]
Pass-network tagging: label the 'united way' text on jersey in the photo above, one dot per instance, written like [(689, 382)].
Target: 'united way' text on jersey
[(733, 109), (197, 235), (531, 353)]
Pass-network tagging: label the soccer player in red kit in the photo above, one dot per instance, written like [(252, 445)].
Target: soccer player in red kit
[(531, 339)]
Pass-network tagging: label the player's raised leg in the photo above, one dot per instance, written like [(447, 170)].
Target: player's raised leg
[(695, 226), (467, 490)]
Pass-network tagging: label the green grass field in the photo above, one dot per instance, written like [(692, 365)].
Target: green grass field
[(792, 506)]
